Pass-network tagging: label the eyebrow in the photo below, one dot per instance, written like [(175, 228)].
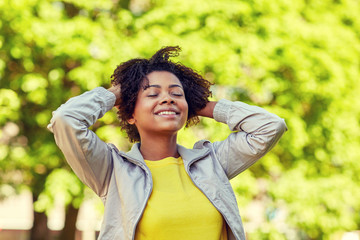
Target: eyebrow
[(158, 86)]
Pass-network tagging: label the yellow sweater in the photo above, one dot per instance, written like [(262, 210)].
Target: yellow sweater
[(177, 209)]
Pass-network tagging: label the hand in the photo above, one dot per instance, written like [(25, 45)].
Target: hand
[(208, 110), (116, 90)]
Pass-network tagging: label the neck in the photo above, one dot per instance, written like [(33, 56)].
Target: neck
[(158, 147)]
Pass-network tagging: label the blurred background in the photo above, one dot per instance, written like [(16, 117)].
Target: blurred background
[(299, 59)]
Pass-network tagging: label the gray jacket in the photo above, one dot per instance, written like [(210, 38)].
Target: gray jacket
[(124, 182)]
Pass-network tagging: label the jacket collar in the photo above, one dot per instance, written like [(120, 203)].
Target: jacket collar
[(135, 153), (191, 155), (188, 155)]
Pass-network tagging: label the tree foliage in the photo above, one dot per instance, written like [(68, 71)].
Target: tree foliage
[(298, 59)]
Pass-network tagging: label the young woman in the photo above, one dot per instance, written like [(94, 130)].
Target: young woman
[(159, 189)]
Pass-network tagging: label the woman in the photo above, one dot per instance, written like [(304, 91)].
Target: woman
[(159, 189)]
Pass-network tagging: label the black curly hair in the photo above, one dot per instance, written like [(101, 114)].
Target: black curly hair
[(131, 74)]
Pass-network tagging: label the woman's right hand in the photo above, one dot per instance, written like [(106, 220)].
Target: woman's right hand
[(116, 90)]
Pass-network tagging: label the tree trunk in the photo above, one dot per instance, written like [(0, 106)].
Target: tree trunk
[(125, 4), (40, 230), (68, 232)]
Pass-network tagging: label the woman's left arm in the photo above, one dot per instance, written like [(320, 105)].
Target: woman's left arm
[(256, 132)]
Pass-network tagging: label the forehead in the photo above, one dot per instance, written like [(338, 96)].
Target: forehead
[(162, 78)]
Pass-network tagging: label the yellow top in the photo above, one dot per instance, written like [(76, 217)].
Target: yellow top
[(177, 209)]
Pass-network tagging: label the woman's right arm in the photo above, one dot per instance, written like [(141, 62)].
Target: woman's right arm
[(89, 157)]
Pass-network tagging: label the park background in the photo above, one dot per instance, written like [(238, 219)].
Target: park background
[(299, 59)]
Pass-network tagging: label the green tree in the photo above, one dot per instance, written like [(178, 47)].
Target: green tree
[(299, 59)]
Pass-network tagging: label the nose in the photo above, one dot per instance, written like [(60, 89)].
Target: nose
[(167, 99)]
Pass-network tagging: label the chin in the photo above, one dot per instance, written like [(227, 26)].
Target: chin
[(170, 129)]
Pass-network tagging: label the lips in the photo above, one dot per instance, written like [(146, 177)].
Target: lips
[(165, 112)]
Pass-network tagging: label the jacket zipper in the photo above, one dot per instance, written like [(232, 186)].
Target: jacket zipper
[(188, 172), (141, 213), (134, 161)]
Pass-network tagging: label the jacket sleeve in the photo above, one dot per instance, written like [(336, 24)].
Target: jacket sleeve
[(88, 156), (256, 132)]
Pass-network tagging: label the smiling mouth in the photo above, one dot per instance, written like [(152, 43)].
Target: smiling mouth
[(166, 113)]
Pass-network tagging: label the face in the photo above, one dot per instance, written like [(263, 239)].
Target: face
[(161, 107)]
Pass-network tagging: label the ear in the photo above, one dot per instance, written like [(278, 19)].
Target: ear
[(131, 120)]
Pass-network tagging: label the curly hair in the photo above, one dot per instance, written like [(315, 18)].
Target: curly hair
[(131, 74)]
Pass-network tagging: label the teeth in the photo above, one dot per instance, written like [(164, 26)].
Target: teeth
[(166, 113)]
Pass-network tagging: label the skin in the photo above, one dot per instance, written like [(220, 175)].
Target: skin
[(160, 112)]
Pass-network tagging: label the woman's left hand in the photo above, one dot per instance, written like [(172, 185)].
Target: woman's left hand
[(208, 110)]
